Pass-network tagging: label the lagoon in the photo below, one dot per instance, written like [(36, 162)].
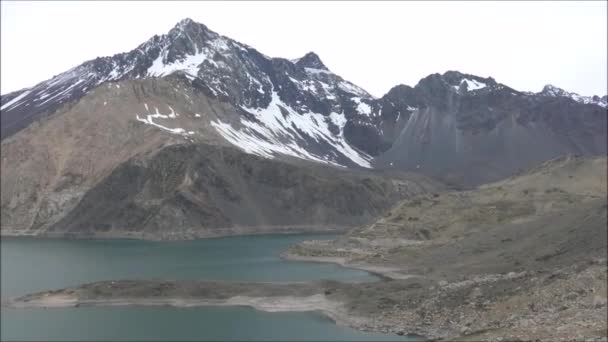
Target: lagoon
[(31, 265)]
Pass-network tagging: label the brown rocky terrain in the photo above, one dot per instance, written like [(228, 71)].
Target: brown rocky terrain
[(203, 190), (523, 258), (47, 168)]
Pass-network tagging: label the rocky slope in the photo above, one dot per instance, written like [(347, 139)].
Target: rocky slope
[(203, 190), (472, 130), (523, 258)]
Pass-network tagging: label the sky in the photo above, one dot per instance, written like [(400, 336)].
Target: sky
[(374, 44)]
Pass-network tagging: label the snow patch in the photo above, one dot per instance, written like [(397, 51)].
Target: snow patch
[(317, 71), (337, 119), (362, 107), (352, 89), (149, 121), (63, 92), (10, 103), (188, 64), (289, 134), (471, 84), (219, 44), (172, 115), (551, 90)]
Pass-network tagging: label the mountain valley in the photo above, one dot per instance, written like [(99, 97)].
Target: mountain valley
[(480, 208)]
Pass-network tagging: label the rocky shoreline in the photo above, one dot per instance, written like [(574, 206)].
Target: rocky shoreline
[(270, 297), (182, 235), (384, 273), (562, 304), (565, 304), (520, 259)]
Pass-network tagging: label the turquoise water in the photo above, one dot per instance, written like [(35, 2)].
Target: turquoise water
[(30, 265)]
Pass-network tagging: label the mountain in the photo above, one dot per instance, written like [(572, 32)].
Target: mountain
[(471, 130), (67, 139), (553, 91), (281, 107)]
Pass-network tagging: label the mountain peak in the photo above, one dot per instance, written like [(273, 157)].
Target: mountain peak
[(185, 23), (453, 74), (187, 38), (552, 90), (188, 26), (470, 82), (311, 60)]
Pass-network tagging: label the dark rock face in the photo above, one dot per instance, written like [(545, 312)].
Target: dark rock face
[(474, 136), (202, 187), (311, 60)]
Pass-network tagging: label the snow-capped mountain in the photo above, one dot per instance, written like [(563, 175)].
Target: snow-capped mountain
[(297, 108), (196, 131), (553, 91), (300, 108)]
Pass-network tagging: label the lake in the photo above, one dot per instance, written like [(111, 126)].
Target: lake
[(31, 265)]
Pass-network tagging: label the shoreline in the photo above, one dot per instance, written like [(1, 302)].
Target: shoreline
[(487, 314), (316, 302), (384, 273), (471, 307), (333, 310), (179, 236)]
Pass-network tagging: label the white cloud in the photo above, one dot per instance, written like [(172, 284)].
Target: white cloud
[(373, 44)]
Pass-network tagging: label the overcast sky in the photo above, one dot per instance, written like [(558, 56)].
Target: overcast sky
[(376, 45)]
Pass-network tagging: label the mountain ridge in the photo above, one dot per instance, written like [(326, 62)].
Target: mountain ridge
[(299, 108), (186, 27)]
